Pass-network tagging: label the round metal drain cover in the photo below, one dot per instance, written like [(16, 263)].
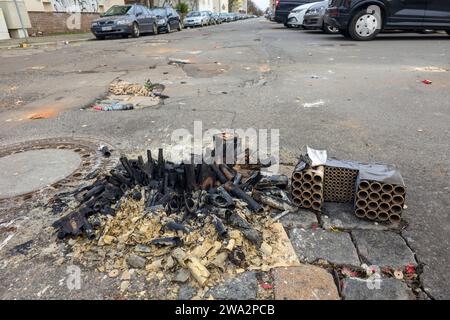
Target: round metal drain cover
[(28, 171)]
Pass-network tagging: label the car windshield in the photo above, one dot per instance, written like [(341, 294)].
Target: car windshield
[(193, 14), (117, 11), (159, 12)]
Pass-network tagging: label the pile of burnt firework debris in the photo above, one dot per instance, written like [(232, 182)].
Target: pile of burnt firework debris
[(182, 222)]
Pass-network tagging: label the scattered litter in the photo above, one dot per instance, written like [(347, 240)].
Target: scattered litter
[(114, 107), (104, 150), (313, 104), (179, 61), (426, 81), (431, 69), (314, 76), (398, 274)]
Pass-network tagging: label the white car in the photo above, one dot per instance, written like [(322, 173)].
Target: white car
[(295, 17), (196, 18)]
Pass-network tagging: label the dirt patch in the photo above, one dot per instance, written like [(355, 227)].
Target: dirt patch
[(204, 70)]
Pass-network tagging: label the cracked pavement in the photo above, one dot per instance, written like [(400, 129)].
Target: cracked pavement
[(257, 74)]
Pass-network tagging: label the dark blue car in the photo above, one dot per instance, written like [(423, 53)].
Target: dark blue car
[(133, 19)]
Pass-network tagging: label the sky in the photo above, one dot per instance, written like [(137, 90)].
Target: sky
[(262, 4)]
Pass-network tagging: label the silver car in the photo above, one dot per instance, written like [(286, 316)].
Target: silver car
[(315, 18)]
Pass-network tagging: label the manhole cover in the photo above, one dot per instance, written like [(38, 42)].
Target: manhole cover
[(32, 170), (39, 168)]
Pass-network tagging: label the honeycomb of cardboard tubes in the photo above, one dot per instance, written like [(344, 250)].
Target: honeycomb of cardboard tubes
[(307, 188)]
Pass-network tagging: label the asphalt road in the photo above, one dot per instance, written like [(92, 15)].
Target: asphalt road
[(369, 103)]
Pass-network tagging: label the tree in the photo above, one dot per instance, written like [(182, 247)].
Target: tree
[(253, 9)]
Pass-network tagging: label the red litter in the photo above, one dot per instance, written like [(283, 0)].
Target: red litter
[(426, 81), (266, 286)]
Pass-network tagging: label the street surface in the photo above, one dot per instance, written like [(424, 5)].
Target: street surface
[(358, 100)]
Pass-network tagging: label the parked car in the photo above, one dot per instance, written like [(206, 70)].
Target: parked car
[(125, 20), (167, 19), (210, 17), (195, 19), (283, 7), (224, 16), (359, 20), (314, 18), (295, 17), (217, 18)]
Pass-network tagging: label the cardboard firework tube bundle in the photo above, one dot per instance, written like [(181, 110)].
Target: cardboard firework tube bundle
[(317, 188), (387, 188)]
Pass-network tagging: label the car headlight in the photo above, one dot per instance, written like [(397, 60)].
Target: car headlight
[(122, 22), (316, 10), (94, 24), (161, 21)]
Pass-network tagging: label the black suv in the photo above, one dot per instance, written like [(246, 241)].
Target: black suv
[(167, 19), (364, 19)]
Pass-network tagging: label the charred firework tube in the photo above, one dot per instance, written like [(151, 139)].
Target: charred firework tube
[(399, 190), (397, 199), (88, 230), (374, 196), (221, 190), (105, 151), (217, 200), (174, 204), (93, 192), (364, 185), (297, 175), (394, 218), (360, 213), (375, 187), (361, 204), (279, 181), (386, 197), (220, 227), (237, 178), (316, 205), (372, 205), (387, 188), (306, 203), (271, 201), (229, 175), (318, 175), (206, 177), (219, 173), (237, 192), (297, 192), (383, 216), (384, 206), (396, 209), (371, 214), (120, 177), (296, 184), (160, 167), (150, 165), (189, 173)]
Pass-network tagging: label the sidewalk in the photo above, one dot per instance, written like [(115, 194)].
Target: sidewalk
[(46, 40)]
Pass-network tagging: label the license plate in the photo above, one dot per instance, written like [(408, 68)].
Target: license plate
[(106, 28)]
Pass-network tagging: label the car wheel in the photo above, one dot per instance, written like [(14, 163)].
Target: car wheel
[(135, 31), (180, 26), (448, 32), (155, 30), (168, 28), (287, 26), (364, 26), (100, 37), (329, 29)]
